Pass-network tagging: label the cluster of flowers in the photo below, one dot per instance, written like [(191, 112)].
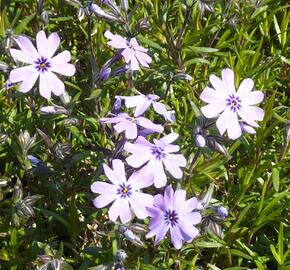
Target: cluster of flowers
[(170, 211)]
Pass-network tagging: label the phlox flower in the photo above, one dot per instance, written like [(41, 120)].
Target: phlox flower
[(174, 213), (123, 122), (42, 64), (143, 102), (123, 193), (227, 103), (134, 54), (156, 156)]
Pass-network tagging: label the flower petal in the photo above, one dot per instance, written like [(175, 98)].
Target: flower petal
[(102, 187), (179, 199), (169, 138), (134, 64), (23, 73), (125, 211), (47, 46), (27, 47), (119, 170), (245, 87), (169, 197), (229, 80), (111, 175), (143, 58), (155, 167), (21, 56), (173, 169), (139, 202), (209, 95), (130, 129), (218, 84), (140, 179), (59, 64), (146, 123), (56, 85), (103, 200), (223, 121), (234, 129), (250, 114), (252, 98), (44, 86), (115, 209), (176, 237), (213, 109)]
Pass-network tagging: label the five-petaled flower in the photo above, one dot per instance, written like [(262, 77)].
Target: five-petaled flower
[(134, 54), (123, 122), (42, 64), (156, 155), (227, 103), (174, 213), (124, 194)]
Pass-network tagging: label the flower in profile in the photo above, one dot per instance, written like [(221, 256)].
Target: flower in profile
[(42, 64), (174, 213), (157, 155), (227, 103), (134, 54), (123, 193), (143, 102), (123, 122)]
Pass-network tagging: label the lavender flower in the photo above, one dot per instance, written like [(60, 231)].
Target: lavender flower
[(122, 193), (156, 155), (42, 64), (142, 103), (123, 122), (134, 54), (226, 103), (174, 213)]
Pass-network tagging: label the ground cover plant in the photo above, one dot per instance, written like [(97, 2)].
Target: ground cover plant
[(144, 134)]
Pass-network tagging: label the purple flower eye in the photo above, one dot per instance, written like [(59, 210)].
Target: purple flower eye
[(42, 64), (125, 191), (171, 218), (234, 102)]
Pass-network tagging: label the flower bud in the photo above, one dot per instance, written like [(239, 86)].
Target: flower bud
[(121, 255), (124, 5), (99, 12), (4, 67), (44, 17), (47, 110), (33, 160), (65, 98), (199, 140), (182, 76), (221, 211), (104, 74), (62, 151), (117, 106)]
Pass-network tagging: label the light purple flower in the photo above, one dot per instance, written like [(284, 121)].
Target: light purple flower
[(142, 103), (157, 155), (174, 213), (124, 194), (228, 104), (134, 54), (123, 122), (42, 64)]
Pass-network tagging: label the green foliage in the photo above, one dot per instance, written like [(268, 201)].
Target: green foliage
[(47, 220)]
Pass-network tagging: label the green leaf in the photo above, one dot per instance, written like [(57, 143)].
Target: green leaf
[(275, 178), (19, 29), (275, 254), (150, 43)]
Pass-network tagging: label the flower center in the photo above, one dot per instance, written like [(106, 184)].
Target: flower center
[(234, 102), (42, 64), (124, 190), (171, 217), (158, 152)]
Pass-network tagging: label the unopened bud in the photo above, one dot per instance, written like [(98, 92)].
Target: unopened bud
[(99, 12), (199, 140), (121, 255), (4, 67), (105, 74), (44, 17)]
